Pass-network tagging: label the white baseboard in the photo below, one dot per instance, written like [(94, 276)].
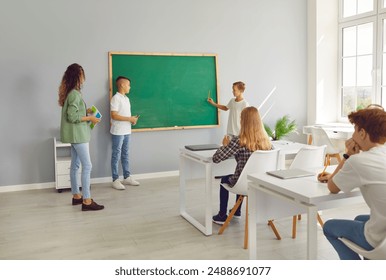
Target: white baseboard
[(139, 176), (27, 187), (38, 186)]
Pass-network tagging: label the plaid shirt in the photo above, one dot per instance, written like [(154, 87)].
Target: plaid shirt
[(241, 155)]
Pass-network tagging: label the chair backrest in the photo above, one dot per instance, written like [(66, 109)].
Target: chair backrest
[(320, 138), (378, 253), (309, 157), (259, 161)]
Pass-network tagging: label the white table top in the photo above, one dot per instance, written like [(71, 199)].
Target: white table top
[(205, 156), (288, 147), (305, 189), (285, 147), (332, 128)]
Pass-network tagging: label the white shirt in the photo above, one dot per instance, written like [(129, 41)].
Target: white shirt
[(120, 103), (235, 109), (367, 170)]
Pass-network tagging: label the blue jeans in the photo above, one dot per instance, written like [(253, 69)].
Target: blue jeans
[(224, 196), (349, 229), (120, 151), (80, 154)]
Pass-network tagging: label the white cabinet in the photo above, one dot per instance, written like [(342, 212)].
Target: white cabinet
[(62, 156)]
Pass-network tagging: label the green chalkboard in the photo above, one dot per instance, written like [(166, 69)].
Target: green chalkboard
[(168, 91)]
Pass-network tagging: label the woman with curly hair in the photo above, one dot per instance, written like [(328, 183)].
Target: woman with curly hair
[(74, 129)]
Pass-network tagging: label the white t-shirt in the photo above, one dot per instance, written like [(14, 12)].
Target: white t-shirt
[(121, 104), (235, 109), (367, 170)]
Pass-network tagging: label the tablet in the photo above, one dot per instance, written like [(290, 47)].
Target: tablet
[(290, 173)]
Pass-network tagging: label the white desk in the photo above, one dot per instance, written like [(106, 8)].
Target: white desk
[(272, 198), (188, 168), (286, 148), (191, 165), (337, 131)]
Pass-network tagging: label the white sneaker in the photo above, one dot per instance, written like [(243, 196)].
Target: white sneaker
[(118, 185), (130, 181), (235, 216)]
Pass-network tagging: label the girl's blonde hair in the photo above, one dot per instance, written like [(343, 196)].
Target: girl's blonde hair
[(252, 133)]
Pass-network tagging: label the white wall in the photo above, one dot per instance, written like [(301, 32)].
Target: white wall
[(261, 42)]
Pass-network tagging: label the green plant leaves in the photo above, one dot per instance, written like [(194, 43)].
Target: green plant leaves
[(283, 127)]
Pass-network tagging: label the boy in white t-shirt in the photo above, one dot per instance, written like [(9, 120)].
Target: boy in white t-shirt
[(235, 106), (121, 121), (363, 167)]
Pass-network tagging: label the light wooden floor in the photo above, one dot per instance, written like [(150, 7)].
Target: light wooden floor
[(138, 223)]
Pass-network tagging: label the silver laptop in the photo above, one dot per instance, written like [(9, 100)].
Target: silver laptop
[(290, 173), (202, 147)]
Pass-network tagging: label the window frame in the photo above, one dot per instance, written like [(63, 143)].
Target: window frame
[(381, 4), (380, 51), (358, 16), (352, 23), (378, 93)]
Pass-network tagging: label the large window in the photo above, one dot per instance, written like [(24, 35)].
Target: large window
[(356, 7), (382, 80), (363, 71)]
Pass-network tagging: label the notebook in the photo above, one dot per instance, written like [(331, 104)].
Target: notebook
[(96, 113), (290, 173), (202, 147)]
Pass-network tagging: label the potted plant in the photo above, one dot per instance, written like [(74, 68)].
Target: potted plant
[(283, 127)]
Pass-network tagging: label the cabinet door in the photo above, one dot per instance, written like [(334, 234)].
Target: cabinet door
[(63, 168), (63, 181)]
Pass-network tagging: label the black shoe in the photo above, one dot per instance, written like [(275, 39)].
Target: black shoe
[(219, 219), (92, 207), (76, 201)]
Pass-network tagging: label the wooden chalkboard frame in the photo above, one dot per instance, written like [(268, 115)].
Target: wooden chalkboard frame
[(214, 95)]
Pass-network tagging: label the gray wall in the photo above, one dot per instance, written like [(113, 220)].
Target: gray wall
[(261, 42)]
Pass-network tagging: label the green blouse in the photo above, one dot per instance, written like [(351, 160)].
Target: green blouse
[(72, 129)]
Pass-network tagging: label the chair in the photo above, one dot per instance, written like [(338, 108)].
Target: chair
[(378, 253), (320, 138), (259, 161), (307, 157)]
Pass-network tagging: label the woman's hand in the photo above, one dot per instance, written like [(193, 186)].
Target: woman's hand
[(323, 177), (94, 119)]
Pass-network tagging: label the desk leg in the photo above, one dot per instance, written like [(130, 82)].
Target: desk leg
[(208, 200), (311, 232), (207, 227), (252, 221), (182, 186)]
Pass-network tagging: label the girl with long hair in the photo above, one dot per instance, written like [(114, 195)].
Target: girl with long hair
[(252, 138), (74, 129)]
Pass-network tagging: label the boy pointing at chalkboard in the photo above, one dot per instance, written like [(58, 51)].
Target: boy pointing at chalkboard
[(121, 121), (235, 106)]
